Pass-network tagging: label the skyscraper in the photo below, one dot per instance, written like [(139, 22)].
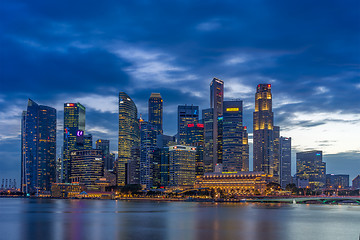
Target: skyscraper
[(309, 166), (216, 103), (285, 161), (129, 135), (235, 148), (74, 129), (104, 146), (276, 155), (195, 137), (147, 147), (182, 166), (156, 112), (207, 116), (186, 115), (38, 130), (263, 126)]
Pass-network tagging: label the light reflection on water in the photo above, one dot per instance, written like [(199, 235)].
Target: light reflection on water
[(106, 219)]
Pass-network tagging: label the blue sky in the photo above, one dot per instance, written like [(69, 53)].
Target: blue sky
[(88, 51)]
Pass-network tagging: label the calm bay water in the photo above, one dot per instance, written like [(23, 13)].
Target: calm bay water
[(107, 219)]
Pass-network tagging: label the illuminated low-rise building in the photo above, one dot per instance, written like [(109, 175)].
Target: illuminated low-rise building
[(337, 181), (241, 183), (66, 190)]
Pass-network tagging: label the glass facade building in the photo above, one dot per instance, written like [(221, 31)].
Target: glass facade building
[(74, 129), (309, 166), (156, 111), (285, 161), (186, 115), (129, 135), (208, 120), (38, 153), (195, 137), (235, 147)]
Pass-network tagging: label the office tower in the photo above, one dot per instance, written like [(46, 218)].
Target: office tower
[(276, 155), (163, 140), (109, 158), (263, 137), (86, 167), (356, 182), (309, 166), (129, 135), (148, 134), (285, 161), (235, 147), (38, 141), (88, 142), (182, 166), (186, 114), (207, 116), (164, 166), (133, 166), (337, 181), (74, 128), (195, 137), (156, 112), (216, 103)]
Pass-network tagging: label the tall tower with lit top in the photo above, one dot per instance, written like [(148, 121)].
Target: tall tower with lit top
[(263, 126)]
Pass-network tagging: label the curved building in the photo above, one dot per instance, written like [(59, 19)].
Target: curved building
[(129, 135)]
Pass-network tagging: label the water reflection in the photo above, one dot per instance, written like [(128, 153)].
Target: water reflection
[(99, 219)]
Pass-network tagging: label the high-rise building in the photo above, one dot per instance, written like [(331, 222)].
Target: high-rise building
[(285, 161), (148, 136), (109, 158), (86, 166), (235, 147), (207, 116), (133, 167), (161, 161), (209, 163), (38, 141), (182, 166), (309, 166), (263, 138), (186, 115), (276, 155), (195, 137), (356, 182), (216, 103), (337, 181), (129, 135), (156, 112), (74, 128)]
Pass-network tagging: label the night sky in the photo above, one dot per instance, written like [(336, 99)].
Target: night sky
[(89, 51)]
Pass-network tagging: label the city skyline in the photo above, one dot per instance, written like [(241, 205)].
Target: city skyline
[(314, 75)]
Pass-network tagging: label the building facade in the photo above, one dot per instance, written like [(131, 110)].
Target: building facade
[(109, 158), (38, 143), (195, 137), (182, 166), (356, 182), (235, 147), (208, 120), (86, 166), (186, 115), (337, 181), (216, 103), (263, 126), (309, 166), (74, 129), (156, 111), (148, 136), (129, 135), (285, 161)]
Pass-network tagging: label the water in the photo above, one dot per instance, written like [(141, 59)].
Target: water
[(125, 220)]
